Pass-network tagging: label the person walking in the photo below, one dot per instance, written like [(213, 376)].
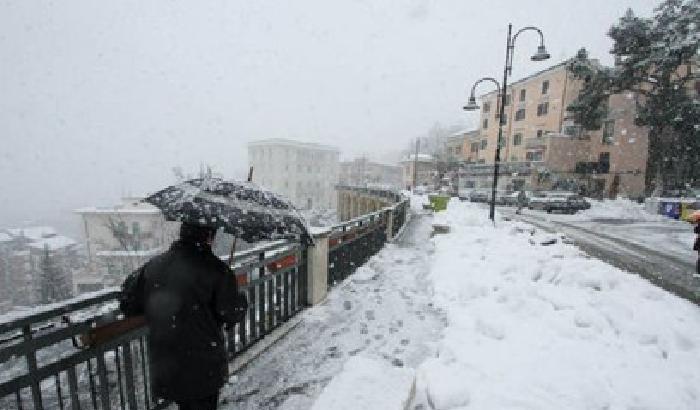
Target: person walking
[(186, 295), (522, 201)]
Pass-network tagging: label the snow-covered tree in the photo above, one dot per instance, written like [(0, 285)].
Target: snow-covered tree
[(53, 284), (656, 58)]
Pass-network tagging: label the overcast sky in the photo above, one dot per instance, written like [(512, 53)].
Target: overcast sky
[(103, 98)]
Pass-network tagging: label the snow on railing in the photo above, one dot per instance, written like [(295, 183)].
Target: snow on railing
[(47, 362)]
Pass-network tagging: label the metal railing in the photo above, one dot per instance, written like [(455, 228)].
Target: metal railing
[(389, 194), (43, 366), (353, 242)]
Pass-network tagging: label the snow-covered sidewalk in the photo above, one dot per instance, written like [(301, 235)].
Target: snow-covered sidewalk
[(546, 327), (380, 321)]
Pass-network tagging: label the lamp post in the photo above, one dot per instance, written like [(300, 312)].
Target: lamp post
[(540, 55)]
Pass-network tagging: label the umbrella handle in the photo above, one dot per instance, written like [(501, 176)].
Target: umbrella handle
[(231, 255)]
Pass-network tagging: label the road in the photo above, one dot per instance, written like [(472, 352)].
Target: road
[(658, 252), (384, 310)]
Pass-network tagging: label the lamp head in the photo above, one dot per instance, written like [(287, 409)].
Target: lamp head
[(541, 54), (471, 104)]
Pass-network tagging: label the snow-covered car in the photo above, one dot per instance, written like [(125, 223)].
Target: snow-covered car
[(502, 197), (479, 196), (566, 202), (512, 198)]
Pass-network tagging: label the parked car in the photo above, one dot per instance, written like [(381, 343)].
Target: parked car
[(566, 202), (463, 193), (512, 198), (479, 196), (502, 197)]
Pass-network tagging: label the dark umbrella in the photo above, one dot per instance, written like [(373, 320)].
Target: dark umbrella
[(242, 209)]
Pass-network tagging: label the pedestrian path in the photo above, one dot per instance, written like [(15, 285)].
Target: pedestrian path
[(383, 311)]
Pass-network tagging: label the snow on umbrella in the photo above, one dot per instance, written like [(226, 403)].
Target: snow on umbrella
[(242, 209)]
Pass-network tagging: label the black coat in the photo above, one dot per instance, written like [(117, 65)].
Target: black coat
[(696, 247), (186, 294)]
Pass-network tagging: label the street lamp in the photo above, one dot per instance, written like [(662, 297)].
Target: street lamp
[(540, 55)]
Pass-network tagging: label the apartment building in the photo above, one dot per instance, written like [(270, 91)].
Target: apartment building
[(473, 147), (425, 170), (36, 265), (363, 172), (119, 239), (306, 173), (544, 149)]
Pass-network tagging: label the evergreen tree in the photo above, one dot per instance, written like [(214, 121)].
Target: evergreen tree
[(53, 286), (657, 58)]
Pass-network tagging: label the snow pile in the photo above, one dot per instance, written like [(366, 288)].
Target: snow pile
[(545, 327), (618, 209), (417, 201), (368, 384)]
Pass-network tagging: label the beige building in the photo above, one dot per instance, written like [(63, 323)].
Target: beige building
[(472, 151), (425, 170), (554, 152), (362, 172)]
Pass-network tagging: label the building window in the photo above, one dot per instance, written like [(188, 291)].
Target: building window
[(534, 155), (520, 114), (487, 107), (507, 100), (542, 109), (604, 163), (572, 130), (486, 123), (135, 228), (545, 87), (540, 133), (483, 144), (475, 147), (608, 131), (517, 139), (522, 95)]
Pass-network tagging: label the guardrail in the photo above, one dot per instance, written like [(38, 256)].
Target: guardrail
[(353, 242), (44, 366)]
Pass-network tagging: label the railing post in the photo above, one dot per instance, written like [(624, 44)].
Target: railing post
[(389, 215), (317, 269), (32, 367)]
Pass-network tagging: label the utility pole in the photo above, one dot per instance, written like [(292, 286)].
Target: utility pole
[(415, 163)]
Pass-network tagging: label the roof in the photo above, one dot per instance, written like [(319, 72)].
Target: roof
[(533, 75), (292, 143), (421, 158), (33, 232), (145, 252), (117, 210), (129, 206), (53, 243)]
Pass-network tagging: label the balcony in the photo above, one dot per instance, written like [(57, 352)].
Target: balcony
[(535, 142)]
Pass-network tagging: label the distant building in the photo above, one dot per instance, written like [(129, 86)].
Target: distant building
[(363, 172), (542, 148), (426, 171), (37, 265), (306, 173), (454, 147), (119, 239)]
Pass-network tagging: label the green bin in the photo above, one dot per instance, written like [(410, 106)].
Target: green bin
[(439, 202)]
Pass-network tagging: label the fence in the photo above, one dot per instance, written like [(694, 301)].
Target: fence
[(43, 366)]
